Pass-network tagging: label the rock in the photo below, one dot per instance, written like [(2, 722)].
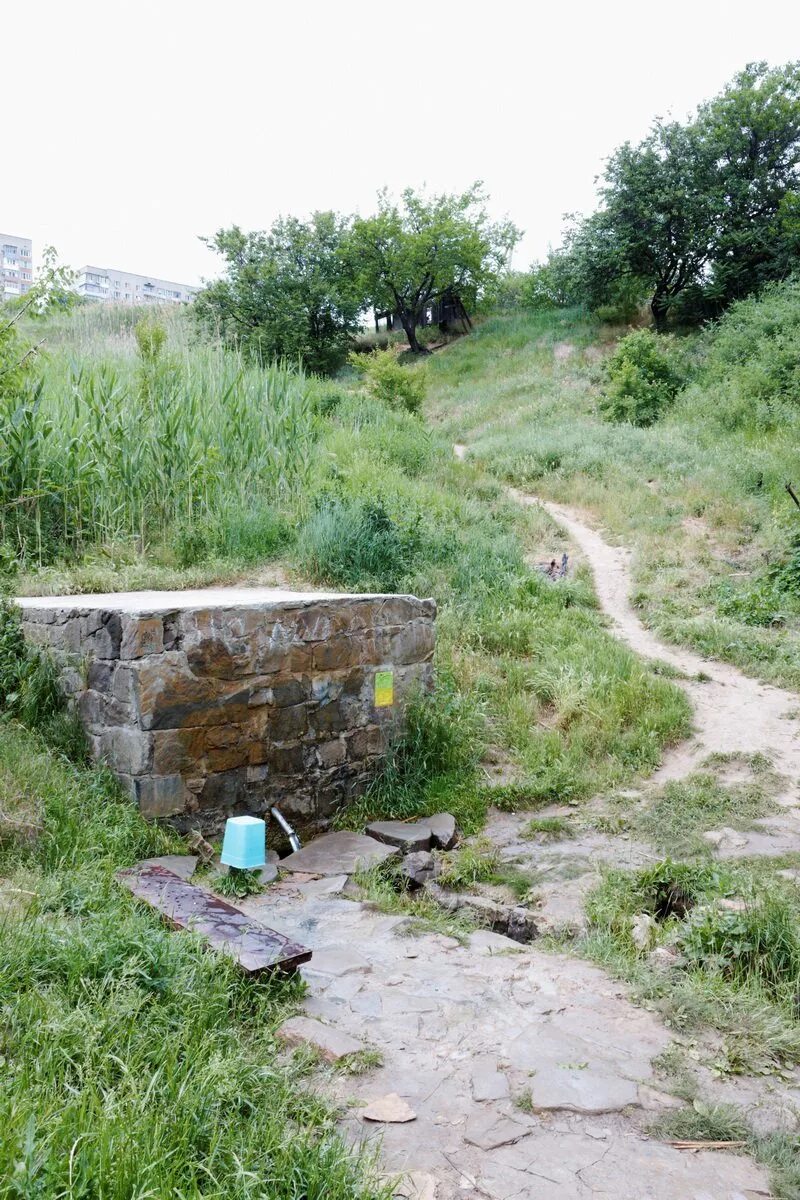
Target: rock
[(665, 958), (521, 925), (268, 873), (443, 830), (330, 1043), (488, 1083), (389, 1109), (790, 874), (581, 1090), (183, 865), (407, 836), (732, 904), (417, 868), (341, 853), (643, 931), (489, 1131)]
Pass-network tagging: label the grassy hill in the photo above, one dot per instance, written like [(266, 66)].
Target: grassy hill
[(699, 495)]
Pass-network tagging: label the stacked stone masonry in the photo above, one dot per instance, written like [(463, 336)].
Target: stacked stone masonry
[(211, 702)]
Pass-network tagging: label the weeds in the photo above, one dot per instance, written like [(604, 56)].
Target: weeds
[(474, 862), (547, 828)]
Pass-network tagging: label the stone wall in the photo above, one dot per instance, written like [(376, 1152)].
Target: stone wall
[(211, 702)]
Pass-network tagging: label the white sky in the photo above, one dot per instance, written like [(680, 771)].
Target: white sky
[(130, 128)]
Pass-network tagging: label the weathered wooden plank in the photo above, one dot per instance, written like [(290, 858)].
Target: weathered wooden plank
[(186, 906)]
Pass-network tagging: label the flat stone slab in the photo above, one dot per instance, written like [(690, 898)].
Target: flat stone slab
[(414, 835), (443, 829), (221, 597), (490, 1131), (581, 1091), (186, 906), (182, 865), (341, 853), (392, 1109), (330, 1043), (488, 1083), (338, 962)]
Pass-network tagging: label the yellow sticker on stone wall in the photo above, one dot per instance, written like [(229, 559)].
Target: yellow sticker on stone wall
[(384, 689)]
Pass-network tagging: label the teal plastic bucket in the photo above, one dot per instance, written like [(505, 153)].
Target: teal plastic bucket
[(245, 843)]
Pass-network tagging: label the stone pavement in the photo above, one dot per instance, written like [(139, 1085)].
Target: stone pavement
[(468, 1031)]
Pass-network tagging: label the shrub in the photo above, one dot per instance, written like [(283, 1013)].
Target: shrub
[(389, 381), (356, 544), (642, 379)]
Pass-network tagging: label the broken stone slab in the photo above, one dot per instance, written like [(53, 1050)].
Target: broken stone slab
[(655, 1101), (330, 1043), (329, 885), (341, 853), (267, 874), (390, 1109), (487, 1131), (407, 836), (184, 905), (581, 1090), (182, 865), (443, 830), (418, 868)]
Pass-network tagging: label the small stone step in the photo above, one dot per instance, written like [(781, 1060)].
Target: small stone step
[(340, 853), (330, 1043), (408, 836)]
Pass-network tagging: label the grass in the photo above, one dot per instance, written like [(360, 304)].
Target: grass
[(547, 828), (698, 496), (131, 1056), (380, 887), (678, 815), (738, 965), (699, 1122)]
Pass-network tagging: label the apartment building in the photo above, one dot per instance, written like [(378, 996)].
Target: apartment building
[(122, 287), (16, 272)]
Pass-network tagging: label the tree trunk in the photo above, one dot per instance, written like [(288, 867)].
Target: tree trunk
[(409, 323), (658, 307)]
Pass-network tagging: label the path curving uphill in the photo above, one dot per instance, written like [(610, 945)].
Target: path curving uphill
[(734, 714)]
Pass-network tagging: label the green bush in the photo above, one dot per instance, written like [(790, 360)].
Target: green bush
[(356, 544), (642, 379), (389, 381)]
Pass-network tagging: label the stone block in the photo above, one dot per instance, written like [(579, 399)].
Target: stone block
[(330, 1043), (236, 698), (127, 750), (160, 795), (141, 636)]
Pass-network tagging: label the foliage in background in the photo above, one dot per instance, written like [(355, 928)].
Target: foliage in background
[(643, 379), (413, 252), (288, 293)]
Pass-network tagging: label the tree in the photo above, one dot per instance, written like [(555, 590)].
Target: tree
[(653, 232), (410, 254), (286, 293), (752, 131), (703, 212), (54, 287)]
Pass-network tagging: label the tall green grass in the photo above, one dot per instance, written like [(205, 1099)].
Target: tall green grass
[(110, 442)]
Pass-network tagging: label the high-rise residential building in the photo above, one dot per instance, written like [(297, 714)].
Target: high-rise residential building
[(122, 287), (16, 272)]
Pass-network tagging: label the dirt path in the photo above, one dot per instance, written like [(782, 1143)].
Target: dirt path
[(733, 713)]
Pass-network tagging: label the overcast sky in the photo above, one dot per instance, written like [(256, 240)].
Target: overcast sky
[(131, 128)]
